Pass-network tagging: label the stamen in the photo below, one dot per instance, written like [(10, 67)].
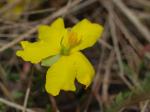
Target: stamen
[(73, 40)]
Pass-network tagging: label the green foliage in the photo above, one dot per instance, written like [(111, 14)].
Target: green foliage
[(17, 94), (119, 101), (127, 70), (2, 107), (13, 77), (30, 102), (124, 97), (146, 82), (48, 108)]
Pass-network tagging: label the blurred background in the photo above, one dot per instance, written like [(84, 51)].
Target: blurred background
[(121, 57)]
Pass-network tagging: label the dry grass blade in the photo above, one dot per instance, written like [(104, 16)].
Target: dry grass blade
[(9, 6), (26, 99), (14, 105), (117, 51), (115, 42), (107, 76), (60, 12), (142, 29), (131, 38), (5, 91), (145, 106)]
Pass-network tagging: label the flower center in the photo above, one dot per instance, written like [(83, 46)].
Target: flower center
[(72, 41)]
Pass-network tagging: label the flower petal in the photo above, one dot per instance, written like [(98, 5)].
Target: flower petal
[(52, 34), (58, 24), (84, 69), (36, 51), (88, 33), (61, 76), (47, 45), (55, 28)]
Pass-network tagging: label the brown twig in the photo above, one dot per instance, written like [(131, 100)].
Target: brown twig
[(14, 105), (45, 21), (54, 105), (107, 75), (130, 37), (26, 99), (6, 91), (145, 106), (115, 42), (9, 6), (142, 29), (117, 51)]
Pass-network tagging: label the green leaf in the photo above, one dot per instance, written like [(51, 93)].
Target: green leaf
[(119, 98), (13, 76), (17, 94), (119, 101), (2, 107), (48, 108), (50, 61)]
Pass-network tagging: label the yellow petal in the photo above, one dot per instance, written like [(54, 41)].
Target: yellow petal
[(62, 74), (52, 34), (84, 69), (35, 52), (47, 32), (16, 11), (44, 32), (58, 24), (47, 45), (88, 33)]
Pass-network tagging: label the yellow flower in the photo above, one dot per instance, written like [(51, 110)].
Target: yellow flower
[(19, 8), (16, 11), (60, 47)]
